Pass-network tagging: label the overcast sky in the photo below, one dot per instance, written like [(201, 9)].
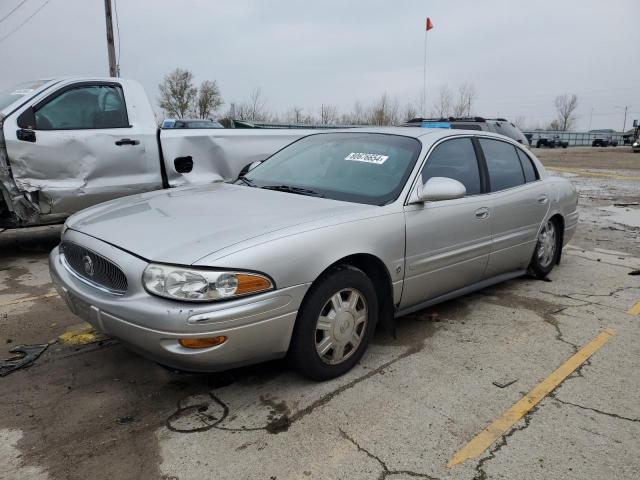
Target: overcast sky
[(519, 54)]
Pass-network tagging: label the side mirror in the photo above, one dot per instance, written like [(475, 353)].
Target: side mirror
[(437, 189)]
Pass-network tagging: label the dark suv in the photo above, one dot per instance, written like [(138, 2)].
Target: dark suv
[(551, 141), (602, 141), (495, 125)]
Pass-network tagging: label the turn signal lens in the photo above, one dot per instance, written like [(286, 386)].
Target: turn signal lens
[(251, 284), (202, 342)]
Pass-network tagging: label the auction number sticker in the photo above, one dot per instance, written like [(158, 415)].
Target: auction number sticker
[(367, 157)]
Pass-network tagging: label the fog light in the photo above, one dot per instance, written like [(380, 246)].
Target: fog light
[(202, 342)]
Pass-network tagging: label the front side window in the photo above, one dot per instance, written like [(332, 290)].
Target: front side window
[(455, 159), (86, 107), (368, 168), (503, 163)]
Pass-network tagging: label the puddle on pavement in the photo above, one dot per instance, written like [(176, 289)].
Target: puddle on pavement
[(624, 215)]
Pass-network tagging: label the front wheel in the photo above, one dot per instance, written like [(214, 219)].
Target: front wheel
[(547, 250), (334, 325)]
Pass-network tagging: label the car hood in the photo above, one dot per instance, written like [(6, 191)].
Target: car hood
[(183, 225)]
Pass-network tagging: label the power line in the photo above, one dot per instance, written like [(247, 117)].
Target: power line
[(2, 39), (16, 8), (115, 7)]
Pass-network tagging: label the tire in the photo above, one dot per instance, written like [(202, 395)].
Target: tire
[(547, 250), (323, 323), (538, 144)]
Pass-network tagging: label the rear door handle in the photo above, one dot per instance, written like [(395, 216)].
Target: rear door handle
[(482, 213), (542, 199), (127, 141)]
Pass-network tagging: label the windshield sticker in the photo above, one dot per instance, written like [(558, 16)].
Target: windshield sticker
[(367, 158)]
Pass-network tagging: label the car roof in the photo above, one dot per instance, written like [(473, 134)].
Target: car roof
[(427, 135)]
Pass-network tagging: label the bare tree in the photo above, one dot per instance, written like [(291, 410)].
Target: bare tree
[(566, 106), (466, 96), (328, 114), (209, 99), (294, 115), (358, 115), (177, 93), (443, 106), (409, 112), (384, 111), (254, 108)]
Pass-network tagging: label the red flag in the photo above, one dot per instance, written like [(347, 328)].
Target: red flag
[(429, 24)]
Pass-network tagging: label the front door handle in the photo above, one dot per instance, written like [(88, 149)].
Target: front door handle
[(127, 141), (26, 135), (482, 213), (542, 199)]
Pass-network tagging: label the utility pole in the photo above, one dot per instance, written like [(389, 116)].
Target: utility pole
[(624, 124), (113, 68)]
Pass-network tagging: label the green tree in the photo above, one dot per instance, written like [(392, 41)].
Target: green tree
[(177, 93)]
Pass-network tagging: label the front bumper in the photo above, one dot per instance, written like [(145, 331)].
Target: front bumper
[(257, 328)]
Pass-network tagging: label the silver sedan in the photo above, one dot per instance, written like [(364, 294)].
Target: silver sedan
[(307, 251)]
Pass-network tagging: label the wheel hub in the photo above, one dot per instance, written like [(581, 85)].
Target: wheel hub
[(344, 326), (341, 326)]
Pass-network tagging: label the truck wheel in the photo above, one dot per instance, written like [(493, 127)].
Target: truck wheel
[(547, 251), (334, 325)]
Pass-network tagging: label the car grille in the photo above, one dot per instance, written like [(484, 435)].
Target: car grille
[(94, 268)]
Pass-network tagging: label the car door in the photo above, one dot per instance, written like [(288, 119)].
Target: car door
[(518, 201), (447, 242), (82, 145)]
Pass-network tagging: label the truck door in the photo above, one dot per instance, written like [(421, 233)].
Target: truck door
[(85, 143)]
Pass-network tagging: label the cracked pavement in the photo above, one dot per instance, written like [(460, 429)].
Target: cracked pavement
[(99, 411)]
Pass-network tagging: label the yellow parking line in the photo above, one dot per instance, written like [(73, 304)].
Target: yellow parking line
[(28, 299), (508, 419), (579, 171), (635, 310)]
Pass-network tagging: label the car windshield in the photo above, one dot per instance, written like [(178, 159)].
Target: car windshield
[(370, 168), (10, 95)]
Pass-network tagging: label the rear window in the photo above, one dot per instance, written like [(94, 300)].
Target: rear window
[(509, 130), (503, 163)]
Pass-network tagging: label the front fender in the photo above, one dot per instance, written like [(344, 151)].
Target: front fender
[(300, 257)]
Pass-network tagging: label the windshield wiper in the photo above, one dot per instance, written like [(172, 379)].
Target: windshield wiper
[(292, 189), (247, 181)]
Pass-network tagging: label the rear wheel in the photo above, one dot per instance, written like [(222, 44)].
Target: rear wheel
[(547, 250), (335, 324)]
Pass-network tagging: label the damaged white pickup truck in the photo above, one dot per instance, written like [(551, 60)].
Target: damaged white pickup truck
[(67, 144)]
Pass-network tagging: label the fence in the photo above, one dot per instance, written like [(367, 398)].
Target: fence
[(575, 138)]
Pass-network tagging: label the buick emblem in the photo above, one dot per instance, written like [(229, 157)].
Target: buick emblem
[(87, 263)]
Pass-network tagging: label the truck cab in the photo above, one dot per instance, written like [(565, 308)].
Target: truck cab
[(67, 144)]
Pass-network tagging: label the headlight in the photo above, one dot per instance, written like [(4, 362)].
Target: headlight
[(195, 285), (636, 144)]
